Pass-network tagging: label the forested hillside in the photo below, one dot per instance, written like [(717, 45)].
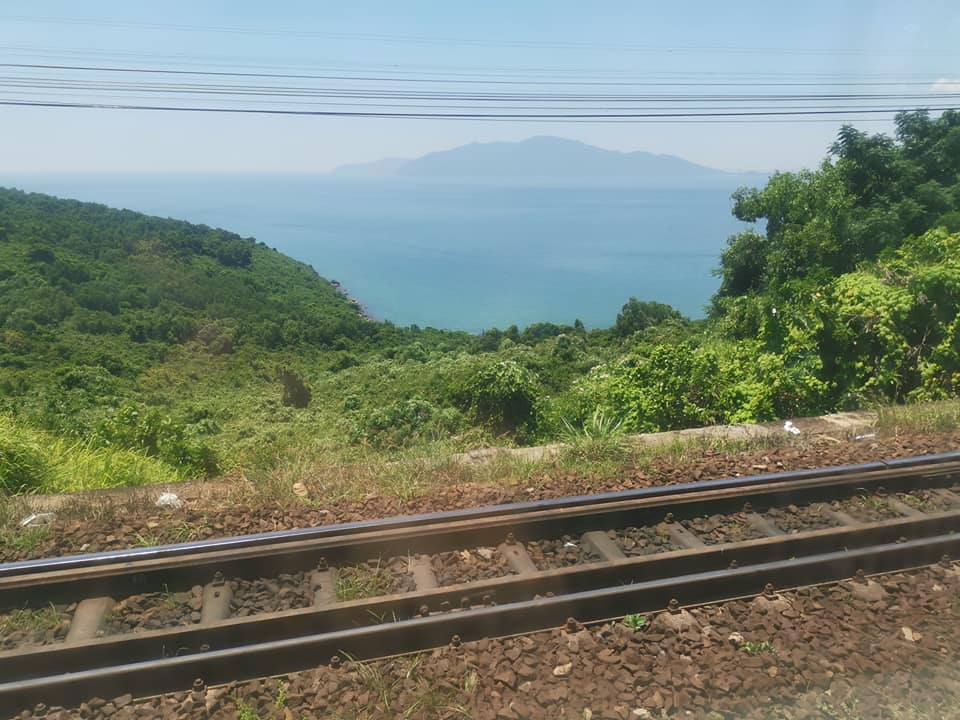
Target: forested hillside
[(126, 339)]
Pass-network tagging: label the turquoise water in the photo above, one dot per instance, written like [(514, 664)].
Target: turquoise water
[(452, 255)]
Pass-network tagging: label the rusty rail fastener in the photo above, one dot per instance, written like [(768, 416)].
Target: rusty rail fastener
[(673, 607), (199, 690)]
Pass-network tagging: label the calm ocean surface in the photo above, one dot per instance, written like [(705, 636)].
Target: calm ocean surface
[(457, 256)]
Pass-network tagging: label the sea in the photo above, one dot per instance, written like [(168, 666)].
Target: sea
[(459, 255)]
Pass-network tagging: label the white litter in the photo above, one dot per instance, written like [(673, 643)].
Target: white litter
[(868, 436), (35, 519), (169, 500), (569, 544), (791, 428)]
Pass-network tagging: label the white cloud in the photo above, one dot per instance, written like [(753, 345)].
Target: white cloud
[(946, 85)]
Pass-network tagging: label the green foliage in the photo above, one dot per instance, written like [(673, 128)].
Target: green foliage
[(40, 462), (136, 349), (635, 621), (157, 435), (245, 710), (757, 647), (637, 316), (667, 387), (24, 461), (599, 426), (25, 540), (600, 438), (503, 396), (355, 582), (405, 422), (822, 223), (38, 620)]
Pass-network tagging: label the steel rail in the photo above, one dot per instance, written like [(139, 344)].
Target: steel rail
[(386, 639), (154, 575), (76, 562), (155, 644)]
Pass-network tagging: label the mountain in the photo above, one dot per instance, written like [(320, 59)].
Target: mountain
[(537, 157)]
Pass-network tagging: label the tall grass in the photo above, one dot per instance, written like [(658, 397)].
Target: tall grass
[(34, 461), (936, 416)]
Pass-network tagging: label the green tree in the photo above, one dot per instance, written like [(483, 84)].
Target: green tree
[(636, 316)]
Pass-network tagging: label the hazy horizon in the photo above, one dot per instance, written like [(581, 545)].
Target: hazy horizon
[(540, 68)]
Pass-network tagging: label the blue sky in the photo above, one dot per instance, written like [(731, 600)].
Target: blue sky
[(809, 41)]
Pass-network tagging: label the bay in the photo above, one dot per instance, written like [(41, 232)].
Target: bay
[(458, 255)]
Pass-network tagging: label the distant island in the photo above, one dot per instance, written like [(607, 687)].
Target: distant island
[(537, 157)]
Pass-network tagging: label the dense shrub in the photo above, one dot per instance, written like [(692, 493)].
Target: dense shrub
[(157, 435), (406, 422), (503, 396)]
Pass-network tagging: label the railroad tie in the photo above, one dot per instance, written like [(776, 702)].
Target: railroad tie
[(683, 537), (324, 586), (601, 544), (902, 508), (88, 618), (216, 600), (763, 525), (951, 497), (840, 517), (423, 575), (516, 556)]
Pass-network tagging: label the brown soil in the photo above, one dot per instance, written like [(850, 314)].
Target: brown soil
[(119, 527), (824, 654)]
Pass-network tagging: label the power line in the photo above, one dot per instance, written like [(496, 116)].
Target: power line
[(465, 81), (518, 76), (461, 116), (461, 41)]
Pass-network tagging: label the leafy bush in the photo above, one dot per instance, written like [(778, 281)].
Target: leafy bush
[(669, 387), (405, 422), (157, 435), (637, 316), (505, 397)]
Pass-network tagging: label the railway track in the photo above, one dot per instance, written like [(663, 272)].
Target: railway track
[(211, 612)]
